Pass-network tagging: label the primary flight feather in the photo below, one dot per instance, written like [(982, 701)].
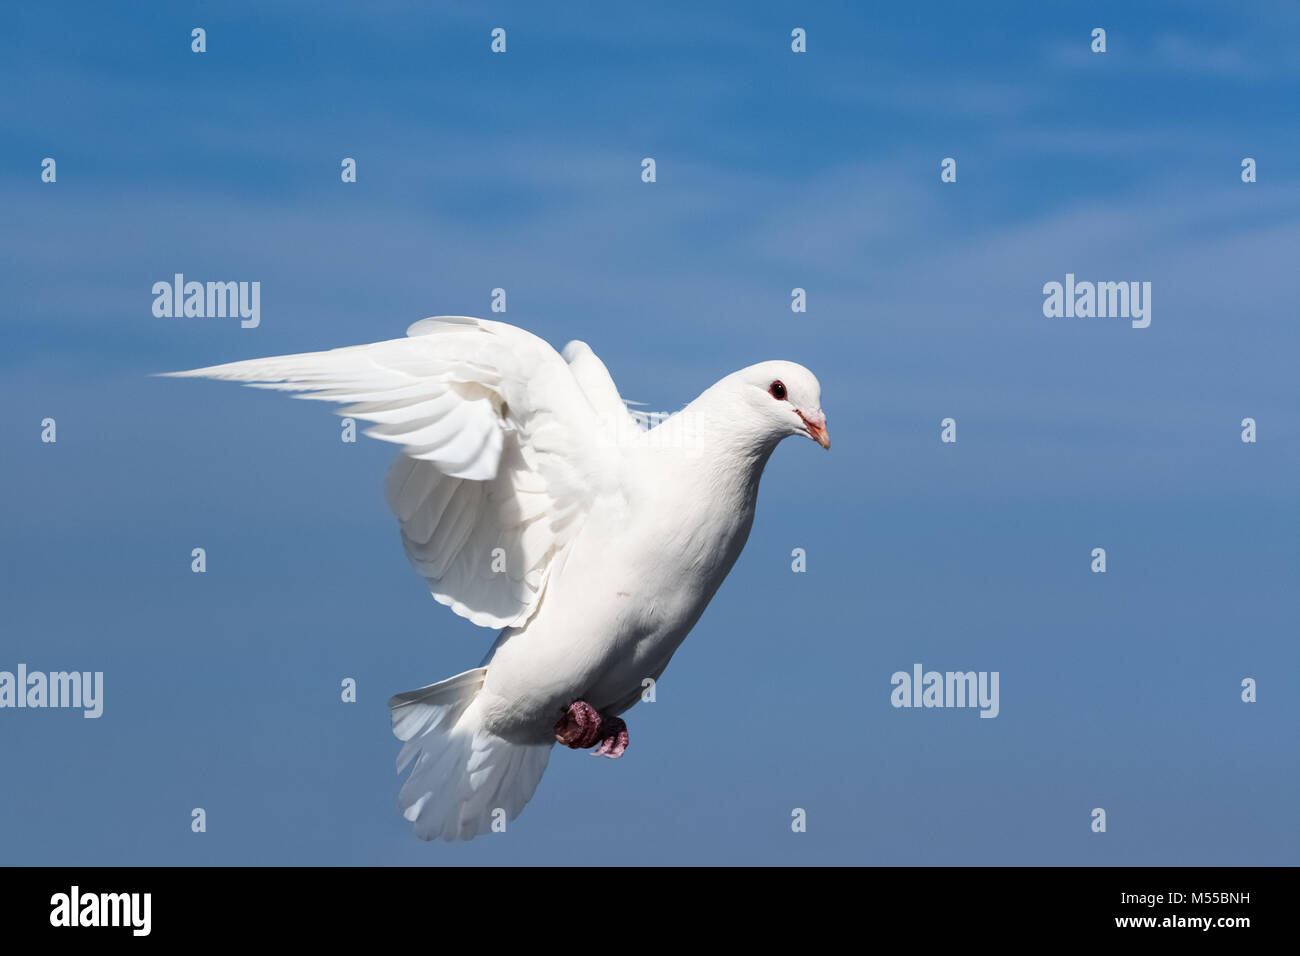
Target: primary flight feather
[(531, 500)]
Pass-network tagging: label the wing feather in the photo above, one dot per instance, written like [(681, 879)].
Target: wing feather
[(502, 449)]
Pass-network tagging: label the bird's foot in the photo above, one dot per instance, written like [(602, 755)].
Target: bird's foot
[(613, 734), (579, 728), (582, 726)]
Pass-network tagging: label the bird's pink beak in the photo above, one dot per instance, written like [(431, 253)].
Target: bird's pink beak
[(816, 425)]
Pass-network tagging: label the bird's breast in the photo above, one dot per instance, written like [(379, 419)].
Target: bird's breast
[(621, 601)]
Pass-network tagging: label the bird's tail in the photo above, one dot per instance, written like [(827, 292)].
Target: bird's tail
[(464, 778)]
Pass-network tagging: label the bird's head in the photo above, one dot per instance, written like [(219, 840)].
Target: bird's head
[(786, 399)]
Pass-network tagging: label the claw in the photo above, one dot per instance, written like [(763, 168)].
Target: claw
[(616, 739), (582, 726)]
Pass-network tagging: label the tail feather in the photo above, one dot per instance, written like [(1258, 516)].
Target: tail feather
[(462, 774)]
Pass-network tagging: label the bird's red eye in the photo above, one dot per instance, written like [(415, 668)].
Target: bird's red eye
[(777, 390)]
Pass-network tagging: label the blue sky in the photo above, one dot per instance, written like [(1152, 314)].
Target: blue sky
[(775, 170)]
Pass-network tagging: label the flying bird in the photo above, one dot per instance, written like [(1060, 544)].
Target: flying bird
[(532, 500)]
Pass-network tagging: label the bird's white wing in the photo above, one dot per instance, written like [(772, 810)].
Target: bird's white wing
[(500, 461), (615, 424)]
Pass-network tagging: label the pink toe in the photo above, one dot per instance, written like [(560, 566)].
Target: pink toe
[(614, 745)]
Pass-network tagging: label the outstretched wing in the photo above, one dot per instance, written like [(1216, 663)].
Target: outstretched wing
[(615, 424), (500, 460)]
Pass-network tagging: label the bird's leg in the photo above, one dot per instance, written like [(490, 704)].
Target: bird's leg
[(582, 726)]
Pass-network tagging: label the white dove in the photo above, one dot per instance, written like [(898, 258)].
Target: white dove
[(532, 500)]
